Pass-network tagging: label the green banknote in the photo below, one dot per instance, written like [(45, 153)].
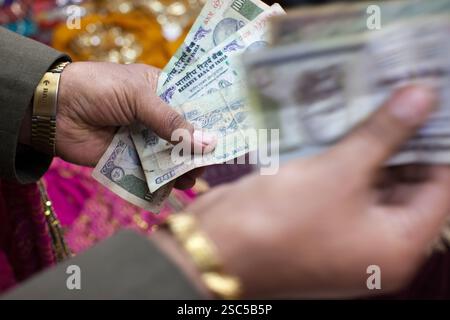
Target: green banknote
[(120, 170)]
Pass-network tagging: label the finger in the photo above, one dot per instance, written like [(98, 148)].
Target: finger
[(388, 128), (165, 121), (427, 205)]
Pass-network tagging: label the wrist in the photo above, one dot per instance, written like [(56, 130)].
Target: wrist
[(204, 254), (238, 243), (228, 245), (172, 249)]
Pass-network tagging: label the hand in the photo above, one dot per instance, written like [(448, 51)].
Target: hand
[(314, 228), (96, 98)]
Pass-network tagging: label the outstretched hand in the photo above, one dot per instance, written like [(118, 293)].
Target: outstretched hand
[(313, 229)]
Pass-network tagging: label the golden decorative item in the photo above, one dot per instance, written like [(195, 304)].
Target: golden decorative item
[(60, 247), (43, 121), (143, 31), (114, 37), (203, 253), (173, 16)]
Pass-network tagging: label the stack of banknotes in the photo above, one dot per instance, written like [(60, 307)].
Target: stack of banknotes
[(328, 68), (203, 82)]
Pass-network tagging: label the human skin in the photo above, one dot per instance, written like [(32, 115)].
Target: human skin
[(313, 229), (96, 98)]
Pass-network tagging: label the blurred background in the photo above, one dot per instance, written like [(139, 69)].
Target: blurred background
[(124, 31)]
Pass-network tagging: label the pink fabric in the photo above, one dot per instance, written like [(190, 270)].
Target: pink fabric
[(90, 212)]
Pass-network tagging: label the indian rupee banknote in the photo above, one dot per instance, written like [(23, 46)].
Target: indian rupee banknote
[(218, 20), (211, 73), (114, 170), (219, 67), (224, 113), (120, 170), (315, 93), (314, 23)]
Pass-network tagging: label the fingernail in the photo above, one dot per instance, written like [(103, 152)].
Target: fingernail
[(205, 140), (413, 104)]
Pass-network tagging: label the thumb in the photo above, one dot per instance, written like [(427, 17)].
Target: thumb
[(385, 131), (165, 121)]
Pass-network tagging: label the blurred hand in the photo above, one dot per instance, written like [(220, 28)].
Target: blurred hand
[(314, 228), (96, 98)]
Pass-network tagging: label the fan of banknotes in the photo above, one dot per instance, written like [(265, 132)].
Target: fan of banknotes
[(328, 68), (202, 82)]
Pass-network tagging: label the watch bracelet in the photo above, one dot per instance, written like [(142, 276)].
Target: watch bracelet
[(43, 130), (43, 121)]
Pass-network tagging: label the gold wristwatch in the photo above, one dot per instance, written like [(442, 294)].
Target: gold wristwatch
[(43, 121)]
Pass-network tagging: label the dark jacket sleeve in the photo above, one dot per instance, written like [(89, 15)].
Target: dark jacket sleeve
[(23, 62), (126, 266)]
